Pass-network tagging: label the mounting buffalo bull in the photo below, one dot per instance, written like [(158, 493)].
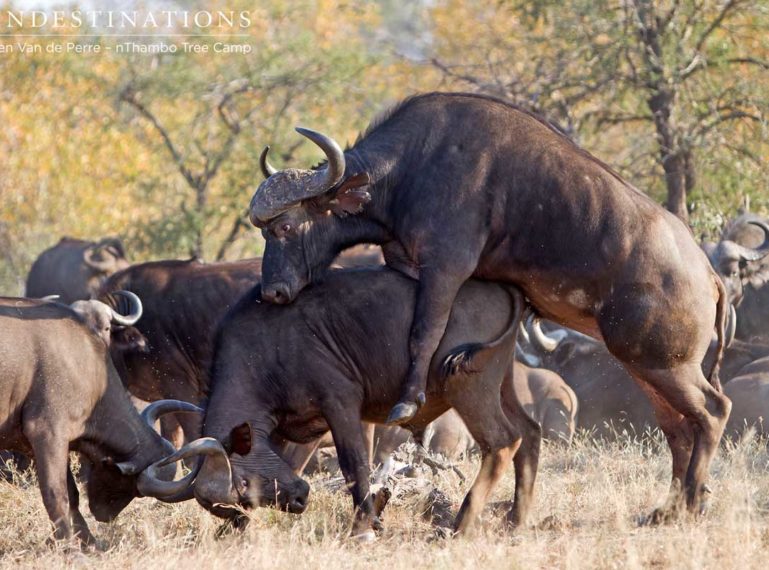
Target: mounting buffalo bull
[(458, 185), (60, 393), (741, 259), (336, 357), (75, 269)]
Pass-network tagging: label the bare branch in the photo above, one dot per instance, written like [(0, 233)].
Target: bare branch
[(728, 7), (128, 95)]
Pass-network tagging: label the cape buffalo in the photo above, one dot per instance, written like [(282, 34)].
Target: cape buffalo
[(457, 185), (749, 392), (741, 259), (543, 395), (609, 399), (184, 302), (60, 393), (548, 400), (336, 357), (75, 269)]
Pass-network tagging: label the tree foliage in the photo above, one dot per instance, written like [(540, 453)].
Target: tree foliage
[(163, 149)]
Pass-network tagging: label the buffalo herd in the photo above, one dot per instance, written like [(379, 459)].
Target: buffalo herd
[(482, 220)]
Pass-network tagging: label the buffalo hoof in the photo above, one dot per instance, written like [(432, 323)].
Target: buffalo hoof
[(658, 517), (402, 413), (367, 536)]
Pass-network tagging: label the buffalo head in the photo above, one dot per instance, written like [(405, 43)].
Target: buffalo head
[(111, 484), (105, 257), (242, 472), (298, 212), (111, 325), (737, 264)]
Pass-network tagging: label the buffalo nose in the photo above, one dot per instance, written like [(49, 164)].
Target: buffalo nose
[(278, 294), (298, 501)]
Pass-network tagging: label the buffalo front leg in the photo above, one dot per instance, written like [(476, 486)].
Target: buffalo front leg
[(352, 452), (51, 462), (526, 460), (78, 522), (437, 290)]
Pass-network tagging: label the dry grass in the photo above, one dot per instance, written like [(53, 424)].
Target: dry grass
[(589, 497)]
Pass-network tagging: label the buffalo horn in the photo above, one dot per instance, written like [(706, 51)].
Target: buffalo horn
[(135, 311), (333, 173), (267, 168), (151, 413), (101, 266), (537, 335), (754, 254), (731, 326), (150, 484), (214, 473)]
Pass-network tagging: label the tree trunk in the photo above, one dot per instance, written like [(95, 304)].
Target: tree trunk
[(675, 180), (673, 159)]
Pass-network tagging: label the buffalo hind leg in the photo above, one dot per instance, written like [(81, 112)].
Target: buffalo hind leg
[(678, 433), (494, 463), (526, 460), (705, 411), (435, 297), (477, 400)]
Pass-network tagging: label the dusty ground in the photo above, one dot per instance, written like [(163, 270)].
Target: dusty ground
[(588, 501)]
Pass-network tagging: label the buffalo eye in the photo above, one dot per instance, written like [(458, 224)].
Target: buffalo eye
[(285, 228)]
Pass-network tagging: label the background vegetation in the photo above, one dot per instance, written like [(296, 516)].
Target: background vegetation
[(163, 150)]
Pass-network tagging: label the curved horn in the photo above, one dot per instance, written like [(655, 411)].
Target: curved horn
[(102, 266), (731, 326), (267, 168), (151, 413), (334, 171), (524, 333), (756, 253), (214, 476), (135, 312), (541, 340), (51, 298), (149, 484)]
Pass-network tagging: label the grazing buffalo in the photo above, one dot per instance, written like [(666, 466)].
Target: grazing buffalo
[(335, 358), (75, 269), (60, 393), (548, 400), (741, 259), (461, 185)]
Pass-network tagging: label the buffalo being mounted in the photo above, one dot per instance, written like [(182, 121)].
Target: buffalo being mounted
[(336, 357), (460, 185)]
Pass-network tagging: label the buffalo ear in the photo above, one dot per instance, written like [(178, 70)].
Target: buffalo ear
[(125, 467), (240, 439), (129, 339), (351, 196)]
